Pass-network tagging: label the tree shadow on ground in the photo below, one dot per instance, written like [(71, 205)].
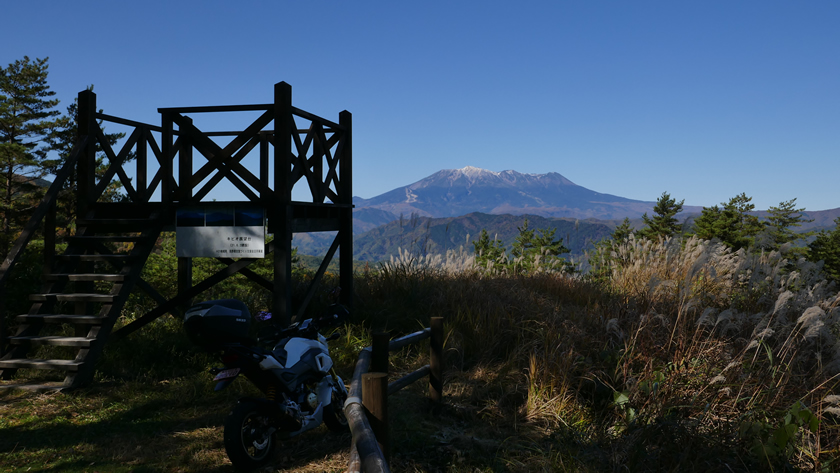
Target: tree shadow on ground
[(164, 429), (155, 435), (464, 436)]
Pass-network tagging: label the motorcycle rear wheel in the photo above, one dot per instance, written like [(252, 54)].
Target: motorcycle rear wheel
[(248, 443)]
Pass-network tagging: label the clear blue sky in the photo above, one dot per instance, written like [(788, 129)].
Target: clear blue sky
[(703, 99)]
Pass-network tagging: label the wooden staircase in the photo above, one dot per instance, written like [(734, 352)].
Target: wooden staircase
[(68, 324)]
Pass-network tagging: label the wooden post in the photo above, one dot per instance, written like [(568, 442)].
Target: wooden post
[(436, 361), (185, 167), (85, 185), (264, 147), (185, 193), (319, 186), (345, 197), (280, 216), (86, 166), (185, 280), (166, 158), (379, 356), (142, 155), (375, 400)]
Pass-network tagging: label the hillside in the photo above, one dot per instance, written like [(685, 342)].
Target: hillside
[(437, 235), (434, 235)]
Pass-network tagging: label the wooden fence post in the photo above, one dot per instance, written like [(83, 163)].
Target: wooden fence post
[(375, 400), (436, 361), (379, 355)]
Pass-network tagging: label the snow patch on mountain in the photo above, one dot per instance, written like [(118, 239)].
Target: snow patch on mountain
[(473, 172), (410, 196)]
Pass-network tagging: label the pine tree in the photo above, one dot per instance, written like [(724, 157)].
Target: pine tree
[(663, 224), (487, 251), (26, 116), (523, 243), (780, 225), (708, 225), (602, 259), (826, 247), (531, 250), (622, 232), (529, 247), (732, 223)]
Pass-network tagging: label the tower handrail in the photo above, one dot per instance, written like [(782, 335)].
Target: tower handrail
[(47, 203), (40, 212)]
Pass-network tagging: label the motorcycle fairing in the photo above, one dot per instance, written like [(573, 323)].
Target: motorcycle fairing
[(304, 350), (303, 371), (280, 353)]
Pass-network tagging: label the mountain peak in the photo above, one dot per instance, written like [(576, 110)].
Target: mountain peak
[(509, 176), (453, 192), (472, 171)]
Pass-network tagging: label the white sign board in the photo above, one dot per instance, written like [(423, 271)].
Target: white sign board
[(214, 231)]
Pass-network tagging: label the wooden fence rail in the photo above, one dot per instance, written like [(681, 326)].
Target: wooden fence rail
[(369, 392)]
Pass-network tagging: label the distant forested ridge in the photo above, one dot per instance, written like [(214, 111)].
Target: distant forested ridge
[(424, 235)]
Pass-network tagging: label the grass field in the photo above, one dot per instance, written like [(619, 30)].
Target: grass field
[(686, 357)]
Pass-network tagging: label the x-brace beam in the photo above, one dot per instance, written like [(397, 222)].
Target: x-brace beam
[(185, 296), (223, 159)]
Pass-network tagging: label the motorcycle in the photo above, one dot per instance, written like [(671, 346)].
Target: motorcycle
[(291, 366)]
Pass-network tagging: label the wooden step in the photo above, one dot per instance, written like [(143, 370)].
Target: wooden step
[(114, 221), (36, 364), (105, 238), (111, 258), (86, 277), (40, 387), (53, 340), (115, 225), (104, 298), (61, 319)]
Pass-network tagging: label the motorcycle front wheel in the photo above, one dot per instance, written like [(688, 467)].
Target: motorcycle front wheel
[(249, 442), (334, 411)]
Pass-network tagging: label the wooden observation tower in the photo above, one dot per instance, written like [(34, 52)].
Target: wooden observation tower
[(85, 288)]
